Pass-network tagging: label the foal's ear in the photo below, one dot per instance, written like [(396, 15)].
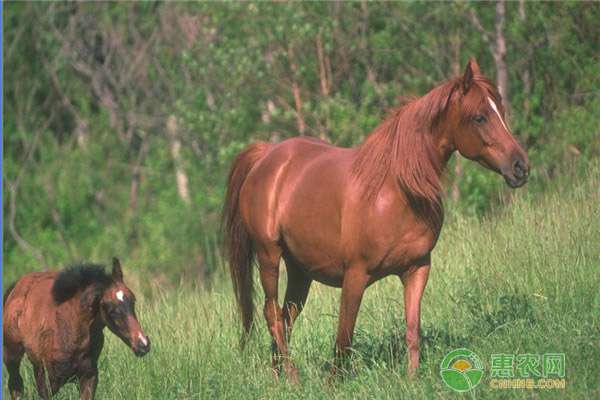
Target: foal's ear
[(117, 273), (471, 70)]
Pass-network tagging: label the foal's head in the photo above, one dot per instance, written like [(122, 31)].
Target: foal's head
[(475, 116), (105, 296), (117, 309)]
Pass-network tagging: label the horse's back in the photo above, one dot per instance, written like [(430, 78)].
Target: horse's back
[(296, 151), (27, 306)]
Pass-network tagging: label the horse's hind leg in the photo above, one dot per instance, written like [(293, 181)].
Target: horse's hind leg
[(298, 285), (296, 292), (268, 259), (13, 354)]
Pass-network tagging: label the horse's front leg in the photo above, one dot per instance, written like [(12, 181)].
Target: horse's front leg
[(87, 385), (47, 385), (414, 280), (353, 287)]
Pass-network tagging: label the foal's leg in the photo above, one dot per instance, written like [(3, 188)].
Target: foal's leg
[(13, 354), (40, 381), (268, 260), (353, 287), (87, 386), (414, 281)]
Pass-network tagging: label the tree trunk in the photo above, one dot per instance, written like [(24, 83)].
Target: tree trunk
[(181, 178), (497, 46), (458, 161), (526, 76), (500, 53), (296, 92), (266, 114), (322, 68), (136, 175)]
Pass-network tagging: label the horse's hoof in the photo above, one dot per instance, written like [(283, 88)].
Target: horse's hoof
[(293, 375), (412, 373), (275, 373), (334, 376)]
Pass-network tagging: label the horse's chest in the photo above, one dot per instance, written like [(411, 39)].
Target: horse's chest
[(66, 347), (393, 236), (65, 365), (408, 250)]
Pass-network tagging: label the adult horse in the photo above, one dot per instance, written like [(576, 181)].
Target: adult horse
[(349, 217)]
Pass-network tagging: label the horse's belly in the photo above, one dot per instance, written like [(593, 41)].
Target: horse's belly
[(317, 257), (309, 219), (328, 277)]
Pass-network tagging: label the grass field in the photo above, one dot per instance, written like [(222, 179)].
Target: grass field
[(525, 280)]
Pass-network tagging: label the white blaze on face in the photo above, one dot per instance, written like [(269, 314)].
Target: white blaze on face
[(142, 339), (120, 295), (497, 112)]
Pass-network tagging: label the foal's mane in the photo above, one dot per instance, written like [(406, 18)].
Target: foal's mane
[(402, 146), (78, 277)]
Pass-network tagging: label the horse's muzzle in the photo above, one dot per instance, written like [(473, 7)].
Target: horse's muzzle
[(519, 172), (142, 347)]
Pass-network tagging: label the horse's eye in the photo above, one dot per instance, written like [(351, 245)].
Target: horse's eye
[(112, 311), (479, 119)]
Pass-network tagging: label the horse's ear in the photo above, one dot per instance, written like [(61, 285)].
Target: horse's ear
[(117, 273), (471, 70)]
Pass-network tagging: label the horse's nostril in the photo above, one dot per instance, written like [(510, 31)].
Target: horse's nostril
[(141, 348), (520, 169)]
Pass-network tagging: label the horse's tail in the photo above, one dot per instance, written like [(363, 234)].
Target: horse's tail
[(237, 242), (7, 292)]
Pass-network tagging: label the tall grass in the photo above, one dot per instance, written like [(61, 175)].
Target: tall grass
[(523, 281)]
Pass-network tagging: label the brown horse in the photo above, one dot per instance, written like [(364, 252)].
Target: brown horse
[(58, 318), (349, 217)]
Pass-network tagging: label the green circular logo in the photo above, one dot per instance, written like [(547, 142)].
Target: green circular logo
[(461, 370)]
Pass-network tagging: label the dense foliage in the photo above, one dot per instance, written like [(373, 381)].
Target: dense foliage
[(121, 120)]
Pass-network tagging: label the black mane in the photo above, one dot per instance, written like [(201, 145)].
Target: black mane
[(77, 277)]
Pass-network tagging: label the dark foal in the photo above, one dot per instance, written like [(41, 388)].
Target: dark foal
[(58, 319)]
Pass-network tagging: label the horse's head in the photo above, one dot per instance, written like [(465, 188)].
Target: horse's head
[(479, 131), (117, 307)]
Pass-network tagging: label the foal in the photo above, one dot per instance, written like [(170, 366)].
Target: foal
[(58, 319)]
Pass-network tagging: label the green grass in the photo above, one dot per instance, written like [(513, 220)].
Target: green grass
[(523, 281)]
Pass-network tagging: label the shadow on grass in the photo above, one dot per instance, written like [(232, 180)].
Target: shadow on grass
[(506, 310), (388, 350)]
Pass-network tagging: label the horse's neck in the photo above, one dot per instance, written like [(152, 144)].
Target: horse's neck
[(97, 326), (420, 179), (412, 147), (89, 304), (442, 149)]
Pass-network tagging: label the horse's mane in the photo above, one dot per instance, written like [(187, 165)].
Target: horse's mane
[(402, 145), (77, 277)]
